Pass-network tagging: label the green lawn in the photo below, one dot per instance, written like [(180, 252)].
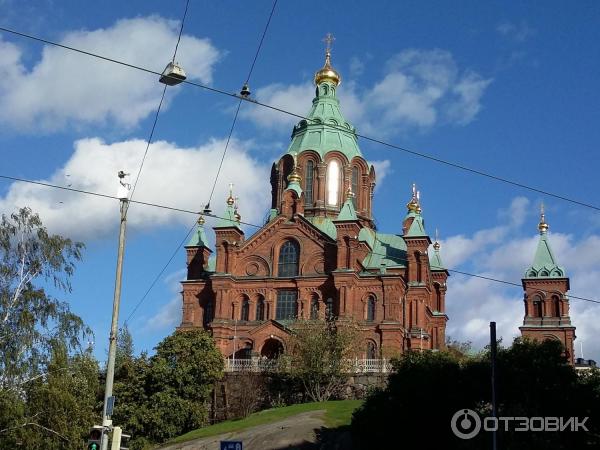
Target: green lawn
[(337, 413)]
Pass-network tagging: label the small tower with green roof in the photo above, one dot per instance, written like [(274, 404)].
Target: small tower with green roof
[(198, 252), (228, 234), (546, 302)]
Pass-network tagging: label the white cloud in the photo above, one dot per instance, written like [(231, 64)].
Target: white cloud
[(173, 176), (502, 252), (169, 315), (419, 89), (294, 98), (517, 32), (382, 169), (63, 87)]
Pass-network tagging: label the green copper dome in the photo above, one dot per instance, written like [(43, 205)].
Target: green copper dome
[(326, 129)]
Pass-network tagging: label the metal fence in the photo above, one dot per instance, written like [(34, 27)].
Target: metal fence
[(269, 365)]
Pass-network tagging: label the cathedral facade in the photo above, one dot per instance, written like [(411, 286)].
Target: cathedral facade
[(319, 254)]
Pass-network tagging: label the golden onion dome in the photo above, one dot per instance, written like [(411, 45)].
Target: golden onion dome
[(543, 226), (201, 220), (327, 72), (436, 246)]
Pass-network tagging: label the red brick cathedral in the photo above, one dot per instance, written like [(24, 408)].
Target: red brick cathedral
[(319, 254)]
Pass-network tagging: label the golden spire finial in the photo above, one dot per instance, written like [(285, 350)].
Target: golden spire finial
[(201, 220), (436, 244), (543, 226), (295, 176), (327, 72), (230, 199), (413, 204)]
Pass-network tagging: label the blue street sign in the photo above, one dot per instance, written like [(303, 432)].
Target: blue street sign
[(231, 445)]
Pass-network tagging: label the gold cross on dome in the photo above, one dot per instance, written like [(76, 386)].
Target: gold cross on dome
[(329, 38)]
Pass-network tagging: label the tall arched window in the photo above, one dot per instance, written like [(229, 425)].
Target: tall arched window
[(260, 309), (289, 255), (371, 308), (418, 264), (556, 306), (538, 310), (208, 313), (314, 308), (355, 185), (371, 350), (438, 297), (333, 182), (329, 308), (308, 182), (245, 309)]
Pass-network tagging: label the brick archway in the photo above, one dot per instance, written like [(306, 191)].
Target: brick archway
[(272, 348)]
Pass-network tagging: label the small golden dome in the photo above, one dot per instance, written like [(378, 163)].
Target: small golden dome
[(328, 73), (413, 205), (230, 199), (294, 177), (201, 220), (543, 226), (237, 216), (436, 246)]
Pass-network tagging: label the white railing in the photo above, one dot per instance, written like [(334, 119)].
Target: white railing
[(269, 365)]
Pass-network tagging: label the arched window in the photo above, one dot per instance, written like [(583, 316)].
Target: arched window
[(371, 308), (314, 308), (538, 310), (333, 182), (556, 306), (438, 298), (418, 265), (287, 305), (355, 185), (329, 308), (308, 182), (260, 309), (371, 350), (208, 313), (245, 309), (289, 255)]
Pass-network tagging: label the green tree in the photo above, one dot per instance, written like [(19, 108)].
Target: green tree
[(55, 409), (427, 389), (320, 354), (31, 319), (165, 395), (45, 377)]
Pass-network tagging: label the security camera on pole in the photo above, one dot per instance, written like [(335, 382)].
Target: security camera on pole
[(109, 400)]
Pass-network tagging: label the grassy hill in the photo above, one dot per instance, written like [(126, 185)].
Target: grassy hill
[(337, 413)]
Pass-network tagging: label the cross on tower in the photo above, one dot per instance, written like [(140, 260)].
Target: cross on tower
[(329, 38)]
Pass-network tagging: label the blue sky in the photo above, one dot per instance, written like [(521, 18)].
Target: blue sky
[(508, 88)]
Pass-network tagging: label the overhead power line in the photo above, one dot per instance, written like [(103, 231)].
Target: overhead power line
[(212, 191), (160, 103), (416, 153), (214, 216)]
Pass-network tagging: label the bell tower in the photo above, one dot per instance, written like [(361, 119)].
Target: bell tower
[(546, 301)]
